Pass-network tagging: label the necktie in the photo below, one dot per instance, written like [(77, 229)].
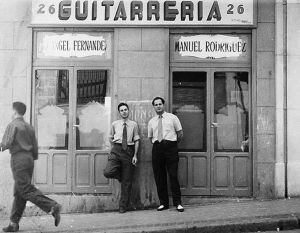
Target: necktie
[(160, 129), (124, 137)]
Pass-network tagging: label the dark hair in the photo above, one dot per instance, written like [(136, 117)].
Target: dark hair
[(158, 98), (122, 104), (19, 107)]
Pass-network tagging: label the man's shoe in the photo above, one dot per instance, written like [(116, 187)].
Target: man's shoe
[(122, 210), (55, 211), (162, 207), (179, 208), (12, 227)]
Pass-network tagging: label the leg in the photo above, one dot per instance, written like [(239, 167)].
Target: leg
[(18, 208), (160, 174), (172, 160), (113, 167), (22, 172), (126, 184)]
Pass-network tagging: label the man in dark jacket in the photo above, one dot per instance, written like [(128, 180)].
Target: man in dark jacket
[(19, 138)]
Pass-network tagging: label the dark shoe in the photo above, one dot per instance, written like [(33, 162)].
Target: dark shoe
[(12, 227), (122, 210), (179, 208), (162, 207), (55, 211)]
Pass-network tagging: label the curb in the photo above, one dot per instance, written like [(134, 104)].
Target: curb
[(245, 224)]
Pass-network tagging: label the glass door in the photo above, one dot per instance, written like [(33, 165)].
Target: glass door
[(91, 128), (72, 117), (51, 118), (231, 163), (190, 98)]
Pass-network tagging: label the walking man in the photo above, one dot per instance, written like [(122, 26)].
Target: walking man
[(165, 131), (19, 138), (123, 156)]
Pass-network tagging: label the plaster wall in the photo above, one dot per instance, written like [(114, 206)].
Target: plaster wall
[(293, 105)]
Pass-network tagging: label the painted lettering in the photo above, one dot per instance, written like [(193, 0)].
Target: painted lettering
[(78, 14), (64, 11), (200, 10), (153, 9), (121, 12), (170, 13), (187, 8), (136, 8), (107, 5), (214, 12)]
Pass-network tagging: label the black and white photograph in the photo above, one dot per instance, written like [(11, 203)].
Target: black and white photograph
[(161, 116)]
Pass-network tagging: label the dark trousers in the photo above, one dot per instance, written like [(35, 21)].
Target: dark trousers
[(165, 159), (22, 165), (119, 166)]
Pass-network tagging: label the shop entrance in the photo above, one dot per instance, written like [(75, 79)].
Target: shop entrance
[(213, 106), (72, 118)]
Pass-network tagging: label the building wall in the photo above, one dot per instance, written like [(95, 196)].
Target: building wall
[(264, 151), (293, 105), (15, 69)]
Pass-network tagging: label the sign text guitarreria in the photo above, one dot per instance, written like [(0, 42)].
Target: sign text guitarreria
[(142, 13)]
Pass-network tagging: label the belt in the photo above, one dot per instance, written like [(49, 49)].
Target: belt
[(120, 144), (165, 142)]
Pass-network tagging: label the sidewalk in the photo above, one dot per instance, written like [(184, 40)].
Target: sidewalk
[(230, 216)]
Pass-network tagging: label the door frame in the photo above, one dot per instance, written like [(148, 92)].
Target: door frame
[(91, 188), (240, 192), (49, 186), (210, 153)]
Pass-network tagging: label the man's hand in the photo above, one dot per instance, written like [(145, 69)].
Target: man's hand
[(134, 160)]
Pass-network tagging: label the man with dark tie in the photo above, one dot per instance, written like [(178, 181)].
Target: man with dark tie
[(123, 156), (165, 131)]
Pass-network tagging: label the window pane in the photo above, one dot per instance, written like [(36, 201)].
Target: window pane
[(93, 110), (52, 108), (231, 111), (189, 104)]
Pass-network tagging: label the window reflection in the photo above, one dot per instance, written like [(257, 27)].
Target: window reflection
[(93, 110), (52, 108), (231, 111), (189, 104)]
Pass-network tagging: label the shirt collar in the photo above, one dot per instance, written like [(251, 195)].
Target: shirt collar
[(162, 115)]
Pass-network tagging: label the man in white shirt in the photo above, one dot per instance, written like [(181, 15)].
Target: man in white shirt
[(123, 156), (165, 131)]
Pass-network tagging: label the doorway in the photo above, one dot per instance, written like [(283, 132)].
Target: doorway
[(72, 110), (213, 105)]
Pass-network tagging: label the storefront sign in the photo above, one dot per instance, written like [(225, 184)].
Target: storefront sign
[(145, 12), (68, 45), (213, 47)]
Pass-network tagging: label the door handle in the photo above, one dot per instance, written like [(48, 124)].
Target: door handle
[(214, 125), (75, 126)]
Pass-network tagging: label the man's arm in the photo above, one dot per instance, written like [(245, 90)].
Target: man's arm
[(136, 149), (8, 137), (179, 135), (112, 133)]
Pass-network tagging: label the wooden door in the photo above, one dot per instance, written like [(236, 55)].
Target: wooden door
[(231, 160), (213, 106), (72, 117), (91, 128)]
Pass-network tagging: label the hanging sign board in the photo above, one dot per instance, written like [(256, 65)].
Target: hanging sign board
[(73, 45), (211, 47), (142, 13)]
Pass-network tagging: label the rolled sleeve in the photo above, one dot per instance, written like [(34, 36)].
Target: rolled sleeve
[(8, 137), (177, 124), (136, 135), (150, 130)]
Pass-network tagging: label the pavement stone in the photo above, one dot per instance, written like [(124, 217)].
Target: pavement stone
[(237, 215)]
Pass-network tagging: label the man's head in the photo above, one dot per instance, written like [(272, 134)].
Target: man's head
[(158, 104), (123, 110), (19, 109)]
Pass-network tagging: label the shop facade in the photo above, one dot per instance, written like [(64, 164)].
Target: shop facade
[(213, 61)]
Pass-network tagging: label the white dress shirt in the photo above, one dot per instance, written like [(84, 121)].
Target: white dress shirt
[(170, 123)]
